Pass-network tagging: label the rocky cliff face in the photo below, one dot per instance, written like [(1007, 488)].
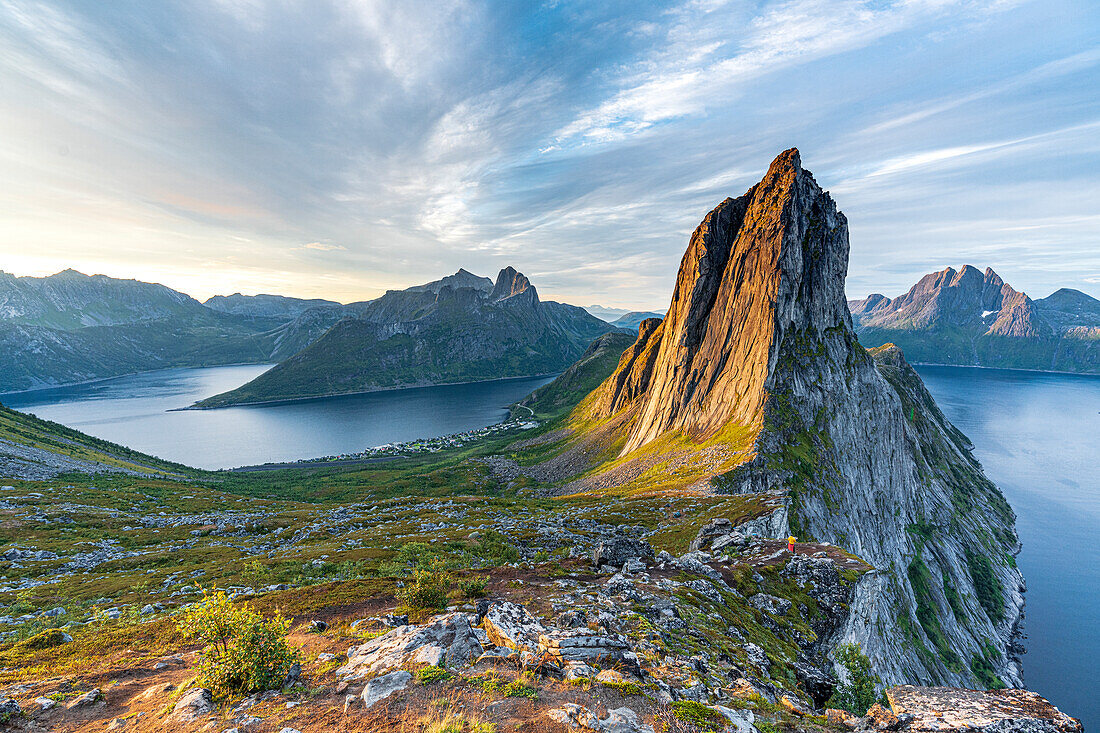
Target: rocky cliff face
[(969, 317), (759, 335)]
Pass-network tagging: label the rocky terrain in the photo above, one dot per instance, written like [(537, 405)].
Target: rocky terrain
[(455, 330), (971, 318)]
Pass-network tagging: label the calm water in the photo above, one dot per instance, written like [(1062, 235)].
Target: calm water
[(134, 411), (1038, 437)]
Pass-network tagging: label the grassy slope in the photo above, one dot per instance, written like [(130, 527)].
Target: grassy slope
[(29, 430)]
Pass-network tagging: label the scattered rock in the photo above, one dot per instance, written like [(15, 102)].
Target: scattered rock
[(445, 641), (382, 687), (9, 709), (575, 716), (45, 703), (86, 699), (615, 551), (192, 705), (511, 625), (316, 627)]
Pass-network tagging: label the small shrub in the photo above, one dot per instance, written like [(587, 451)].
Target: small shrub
[(858, 693), (428, 675), (521, 688), (624, 687), (474, 587), (697, 714), (427, 591), (44, 640), (244, 652)]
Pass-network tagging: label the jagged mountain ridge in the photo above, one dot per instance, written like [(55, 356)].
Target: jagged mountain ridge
[(973, 318), (758, 336), (431, 335)]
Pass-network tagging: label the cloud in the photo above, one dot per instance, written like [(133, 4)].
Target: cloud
[(324, 247)]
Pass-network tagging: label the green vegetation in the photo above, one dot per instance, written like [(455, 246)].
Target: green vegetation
[(427, 592), (244, 652), (698, 715), (986, 583), (428, 675), (859, 692)]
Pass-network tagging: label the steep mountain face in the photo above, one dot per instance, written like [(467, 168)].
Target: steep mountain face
[(972, 318), (430, 335), (279, 307), (758, 338)]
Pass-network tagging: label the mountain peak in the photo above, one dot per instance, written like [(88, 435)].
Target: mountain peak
[(758, 267), (511, 283)]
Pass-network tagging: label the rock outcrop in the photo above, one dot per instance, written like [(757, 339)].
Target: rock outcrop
[(945, 709), (759, 336)]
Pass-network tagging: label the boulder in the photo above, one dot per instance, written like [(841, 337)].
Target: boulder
[(838, 718), (575, 716), (511, 625), (770, 604), (616, 550), (192, 705), (445, 641), (711, 531), (882, 719), (565, 646), (9, 709), (382, 687), (86, 699), (948, 709), (623, 720), (741, 721)]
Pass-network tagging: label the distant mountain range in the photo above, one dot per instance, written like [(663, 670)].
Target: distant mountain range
[(973, 318), (634, 319), (70, 327), (459, 329)]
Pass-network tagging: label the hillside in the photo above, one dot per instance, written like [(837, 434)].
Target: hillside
[(572, 385), (32, 448), (755, 385), (431, 334), (971, 318), (71, 327)]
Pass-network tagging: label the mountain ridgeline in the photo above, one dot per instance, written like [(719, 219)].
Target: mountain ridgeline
[(460, 329), (756, 385), (973, 318)]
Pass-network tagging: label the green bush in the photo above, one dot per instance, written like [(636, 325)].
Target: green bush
[(697, 714), (426, 591), (859, 692), (428, 675), (474, 587), (244, 652)]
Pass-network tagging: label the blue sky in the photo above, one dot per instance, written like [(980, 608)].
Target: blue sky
[(337, 149)]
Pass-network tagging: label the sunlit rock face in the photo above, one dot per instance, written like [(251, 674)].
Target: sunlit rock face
[(759, 335)]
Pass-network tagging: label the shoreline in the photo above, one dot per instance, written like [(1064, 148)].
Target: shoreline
[(286, 400), (1006, 369), (129, 374)]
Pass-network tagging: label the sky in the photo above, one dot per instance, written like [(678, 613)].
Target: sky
[(339, 149)]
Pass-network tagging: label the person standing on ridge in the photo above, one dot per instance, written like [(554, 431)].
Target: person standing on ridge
[(790, 544)]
